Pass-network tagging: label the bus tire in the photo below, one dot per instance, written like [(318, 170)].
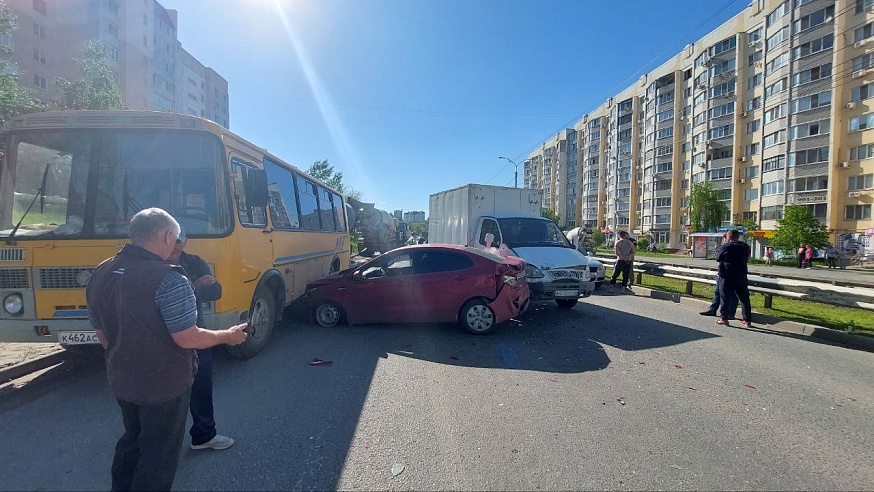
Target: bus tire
[(262, 320)]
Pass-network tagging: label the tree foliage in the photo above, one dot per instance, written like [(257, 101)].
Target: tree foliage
[(798, 226), (549, 214), (325, 173), (14, 98), (705, 210), (96, 88)]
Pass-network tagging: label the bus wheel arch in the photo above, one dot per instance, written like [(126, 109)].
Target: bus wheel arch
[(264, 314)]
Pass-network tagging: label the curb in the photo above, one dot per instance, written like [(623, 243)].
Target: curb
[(861, 342), (16, 371)]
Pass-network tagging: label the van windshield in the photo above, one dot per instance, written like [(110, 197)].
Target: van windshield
[(520, 232)]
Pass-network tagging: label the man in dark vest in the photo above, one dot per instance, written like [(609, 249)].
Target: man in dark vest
[(145, 314), (733, 257)]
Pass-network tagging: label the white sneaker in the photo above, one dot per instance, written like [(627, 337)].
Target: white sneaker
[(217, 442)]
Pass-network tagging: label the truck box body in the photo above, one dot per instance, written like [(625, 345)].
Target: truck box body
[(472, 214), (453, 213)]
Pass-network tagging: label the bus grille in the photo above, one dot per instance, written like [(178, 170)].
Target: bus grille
[(13, 278), (64, 278), (12, 254)]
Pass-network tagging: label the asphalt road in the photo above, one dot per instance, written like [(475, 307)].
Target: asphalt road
[(617, 393)]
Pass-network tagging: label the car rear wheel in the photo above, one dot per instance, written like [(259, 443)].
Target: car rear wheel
[(566, 303), (477, 317), (262, 319), (328, 314)]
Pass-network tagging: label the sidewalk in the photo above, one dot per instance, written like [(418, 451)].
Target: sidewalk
[(18, 359)]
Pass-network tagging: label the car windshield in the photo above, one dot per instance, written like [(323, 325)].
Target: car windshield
[(520, 232), (88, 183)]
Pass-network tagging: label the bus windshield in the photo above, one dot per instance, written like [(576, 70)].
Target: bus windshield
[(520, 232), (89, 183)]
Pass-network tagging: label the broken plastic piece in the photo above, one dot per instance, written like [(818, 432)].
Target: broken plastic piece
[(677, 367), (320, 362), (553, 380), (397, 468), (367, 445), (750, 386), (621, 400)]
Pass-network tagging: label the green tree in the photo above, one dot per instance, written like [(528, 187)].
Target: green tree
[(549, 214), (96, 89), (325, 173), (14, 99), (705, 210), (417, 227), (798, 226), (750, 224), (599, 238)]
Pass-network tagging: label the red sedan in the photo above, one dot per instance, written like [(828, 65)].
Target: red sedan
[(424, 283)]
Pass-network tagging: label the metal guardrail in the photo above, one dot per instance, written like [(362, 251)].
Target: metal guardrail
[(806, 290)]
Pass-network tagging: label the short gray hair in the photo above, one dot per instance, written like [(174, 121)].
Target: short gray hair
[(151, 223)]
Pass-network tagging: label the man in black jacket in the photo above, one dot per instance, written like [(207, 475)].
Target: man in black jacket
[(206, 288), (733, 257)]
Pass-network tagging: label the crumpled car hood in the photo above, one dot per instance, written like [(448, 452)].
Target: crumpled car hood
[(552, 257)]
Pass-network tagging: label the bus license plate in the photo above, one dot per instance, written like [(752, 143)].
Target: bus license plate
[(77, 337), (567, 293)]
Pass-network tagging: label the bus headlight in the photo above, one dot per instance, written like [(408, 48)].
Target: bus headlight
[(13, 304)]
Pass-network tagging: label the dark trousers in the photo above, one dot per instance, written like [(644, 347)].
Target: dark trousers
[(147, 454), (623, 267), (717, 300), (203, 420), (832, 262), (737, 288)]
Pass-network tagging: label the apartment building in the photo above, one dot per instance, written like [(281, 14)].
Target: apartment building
[(773, 108), (143, 52)]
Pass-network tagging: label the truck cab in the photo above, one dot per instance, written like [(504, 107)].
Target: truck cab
[(556, 270)]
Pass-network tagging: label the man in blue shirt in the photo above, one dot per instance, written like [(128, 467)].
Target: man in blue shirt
[(733, 257), (145, 315)]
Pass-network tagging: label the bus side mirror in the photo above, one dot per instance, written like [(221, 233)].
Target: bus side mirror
[(257, 191)]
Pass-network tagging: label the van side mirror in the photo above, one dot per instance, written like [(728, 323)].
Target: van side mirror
[(257, 188)]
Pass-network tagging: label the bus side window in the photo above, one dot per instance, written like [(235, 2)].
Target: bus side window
[(243, 175)]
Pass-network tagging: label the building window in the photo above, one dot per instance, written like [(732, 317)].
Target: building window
[(112, 29), (753, 148), (112, 5), (39, 31), (776, 112), (813, 183), (812, 47), (754, 81), (772, 213), (777, 63), (772, 188), (857, 212), (862, 122), (39, 6), (774, 163), (862, 182), (753, 126), (752, 194), (40, 57), (776, 88), (779, 12), (721, 173), (814, 19), (862, 152), (812, 102), (812, 74), (39, 81), (809, 129), (775, 138), (777, 38), (809, 156), (752, 171)]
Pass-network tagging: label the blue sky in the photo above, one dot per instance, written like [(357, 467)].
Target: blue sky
[(410, 97)]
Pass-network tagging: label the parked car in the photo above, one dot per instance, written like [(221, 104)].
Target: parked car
[(423, 283)]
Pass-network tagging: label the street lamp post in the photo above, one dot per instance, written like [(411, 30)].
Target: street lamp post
[(515, 171)]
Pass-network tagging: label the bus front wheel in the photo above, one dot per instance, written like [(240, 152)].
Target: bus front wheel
[(262, 320)]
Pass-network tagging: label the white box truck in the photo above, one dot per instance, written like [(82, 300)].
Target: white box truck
[(509, 219)]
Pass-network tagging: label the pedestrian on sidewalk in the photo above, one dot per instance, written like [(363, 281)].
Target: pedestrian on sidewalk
[(808, 257), (624, 250), (769, 255), (800, 254), (843, 257), (145, 315), (831, 254), (206, 288), (733, 258)]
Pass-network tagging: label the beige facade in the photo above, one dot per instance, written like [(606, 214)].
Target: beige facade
[(142, 49), (775, 107)]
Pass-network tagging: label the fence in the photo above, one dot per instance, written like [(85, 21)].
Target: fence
[(807, 290)]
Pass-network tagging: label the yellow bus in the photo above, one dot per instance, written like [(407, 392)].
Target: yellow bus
[(71, 181)]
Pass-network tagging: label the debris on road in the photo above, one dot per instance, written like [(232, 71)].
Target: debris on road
[(677, 366), (454, 357), (320, 362), (750, 386), (620, 400), (396, 469)]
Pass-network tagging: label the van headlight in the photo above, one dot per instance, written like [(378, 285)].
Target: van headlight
[(13, 304), (532, 271)]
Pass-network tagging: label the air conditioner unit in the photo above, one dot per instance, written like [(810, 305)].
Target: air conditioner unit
[(844, 164), (744, 114), (871, 10), (758, 64), (742, 180), (859, 44), (850, 105), (859, 73), (743, 158), (829, 19), (854, 194)]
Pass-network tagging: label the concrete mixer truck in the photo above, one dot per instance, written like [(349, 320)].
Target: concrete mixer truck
[(376, 230)]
